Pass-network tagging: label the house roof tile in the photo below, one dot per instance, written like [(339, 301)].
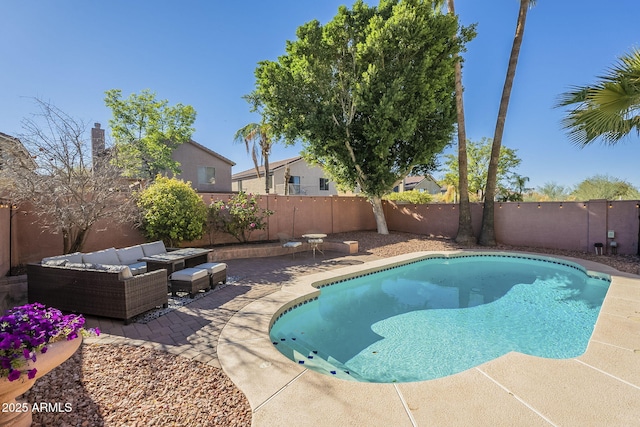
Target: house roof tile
[(273, 166)]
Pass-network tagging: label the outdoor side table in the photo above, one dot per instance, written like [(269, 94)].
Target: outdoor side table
[(315, 240)]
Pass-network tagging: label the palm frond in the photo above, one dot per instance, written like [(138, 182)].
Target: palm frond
[(608, 110)]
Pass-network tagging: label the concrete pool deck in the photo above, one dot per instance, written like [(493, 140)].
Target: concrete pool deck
[(601, 387)]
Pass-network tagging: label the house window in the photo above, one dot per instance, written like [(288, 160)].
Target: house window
[(294, 185), (206, 175), (324, 184)]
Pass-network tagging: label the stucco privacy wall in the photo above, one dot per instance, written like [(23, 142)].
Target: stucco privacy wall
[(566, 225), (557, 225), (297, 215), (4, 240), (34, 243)]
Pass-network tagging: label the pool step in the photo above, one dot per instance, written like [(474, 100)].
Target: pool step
[(302, 353)]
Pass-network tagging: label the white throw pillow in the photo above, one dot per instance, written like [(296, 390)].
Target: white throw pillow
[(55, 262), (79, 265), (124, 272), (74, 257)]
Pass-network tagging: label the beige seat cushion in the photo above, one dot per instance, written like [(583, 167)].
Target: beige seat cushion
[(292, 244), (105, 256), (213, 267), (154, 248), (130, 255), (189, 274)]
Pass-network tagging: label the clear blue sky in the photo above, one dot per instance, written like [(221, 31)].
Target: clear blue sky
[(204, 52)]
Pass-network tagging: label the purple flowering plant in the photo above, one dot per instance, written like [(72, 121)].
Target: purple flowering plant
[(28, 329)]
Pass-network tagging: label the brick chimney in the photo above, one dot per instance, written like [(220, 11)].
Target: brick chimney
[(97, 142)]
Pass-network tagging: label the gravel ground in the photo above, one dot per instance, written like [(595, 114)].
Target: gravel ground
[(109, 385), (119, 385)]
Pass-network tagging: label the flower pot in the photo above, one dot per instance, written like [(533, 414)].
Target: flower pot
[(16, 413)]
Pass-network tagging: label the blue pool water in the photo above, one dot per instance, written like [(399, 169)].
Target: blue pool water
[(441, 316)]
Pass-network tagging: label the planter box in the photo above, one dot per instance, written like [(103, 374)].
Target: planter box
[(276, 249)]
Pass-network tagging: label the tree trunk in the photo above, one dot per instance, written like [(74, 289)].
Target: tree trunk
[(73, 242), (287, 176), (266, 175), (487, 233), (465, 230), (378, 212)]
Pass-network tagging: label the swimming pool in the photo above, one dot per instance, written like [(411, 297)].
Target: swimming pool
[(442, 315)]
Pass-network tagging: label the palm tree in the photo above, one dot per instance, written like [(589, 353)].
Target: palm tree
[(257, 138), (487, 232), (610, 108), (465, 229)]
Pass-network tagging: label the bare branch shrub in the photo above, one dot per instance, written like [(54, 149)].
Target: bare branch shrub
[(67, 189)]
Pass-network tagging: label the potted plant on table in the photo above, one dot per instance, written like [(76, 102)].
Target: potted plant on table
[(34, 339)]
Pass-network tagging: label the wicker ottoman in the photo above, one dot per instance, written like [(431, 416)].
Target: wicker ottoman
[(189, 280), (217, 272)]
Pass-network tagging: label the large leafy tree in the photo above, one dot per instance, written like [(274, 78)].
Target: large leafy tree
[(370, 94), (487, 232), (605, 187), (608, 110), (552, 191), (478, 159), (68, 190), (146, 131), (258, 139)]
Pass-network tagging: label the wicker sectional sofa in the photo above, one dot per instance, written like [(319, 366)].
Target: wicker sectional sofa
[(81, 283)]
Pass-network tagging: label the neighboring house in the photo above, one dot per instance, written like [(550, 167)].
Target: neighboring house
[(208, 171), (425, 184), (291, 176), (11, 149)]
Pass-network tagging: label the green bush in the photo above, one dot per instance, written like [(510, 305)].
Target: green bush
[(172, 211), (239, 217), (413, 196)]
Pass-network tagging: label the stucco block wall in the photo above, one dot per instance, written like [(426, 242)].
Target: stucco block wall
[(4, 240), (555, 225), (574, 226)]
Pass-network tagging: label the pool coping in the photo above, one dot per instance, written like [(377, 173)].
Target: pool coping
[(600, 387)]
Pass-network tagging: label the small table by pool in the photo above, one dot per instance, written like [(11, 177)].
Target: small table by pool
[(315, 240), (177, 260)]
